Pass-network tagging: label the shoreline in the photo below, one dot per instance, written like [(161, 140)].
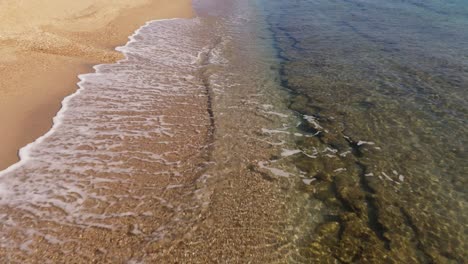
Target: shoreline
[(100, 227), (26, 107)]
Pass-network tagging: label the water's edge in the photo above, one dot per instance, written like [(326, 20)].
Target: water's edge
[(23, 152)]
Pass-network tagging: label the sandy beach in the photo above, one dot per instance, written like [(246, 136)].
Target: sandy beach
[(45, 46)]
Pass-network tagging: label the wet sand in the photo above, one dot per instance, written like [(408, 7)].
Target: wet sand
[(43, 47), (176, 158)]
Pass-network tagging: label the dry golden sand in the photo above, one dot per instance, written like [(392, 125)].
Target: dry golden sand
[(44, 45)]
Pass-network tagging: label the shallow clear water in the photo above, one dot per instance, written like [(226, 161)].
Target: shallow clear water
[(385, 83), (260, 131)]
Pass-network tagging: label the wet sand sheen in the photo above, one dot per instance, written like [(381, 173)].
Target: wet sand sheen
[(121, 163), (44, 48), (168, 155)]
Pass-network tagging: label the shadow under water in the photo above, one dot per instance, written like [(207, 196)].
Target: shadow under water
[(382, 87)]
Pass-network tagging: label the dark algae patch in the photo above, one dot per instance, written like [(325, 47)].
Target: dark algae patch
[(379, 88)]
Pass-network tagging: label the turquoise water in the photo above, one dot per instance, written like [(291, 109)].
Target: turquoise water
[(386, 84)]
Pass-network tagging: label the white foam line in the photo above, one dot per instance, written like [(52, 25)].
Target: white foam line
[(274, 131), (24, 153), (340, 170), (313, 120), (275, 171), (388, 177), (360, 143), (344, 154), (308, 181), (288, 152), (276, 114)]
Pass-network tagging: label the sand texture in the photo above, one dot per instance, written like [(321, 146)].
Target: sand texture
[(44, 45)]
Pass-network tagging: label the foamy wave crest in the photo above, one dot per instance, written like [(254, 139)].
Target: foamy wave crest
[(119, 145)]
